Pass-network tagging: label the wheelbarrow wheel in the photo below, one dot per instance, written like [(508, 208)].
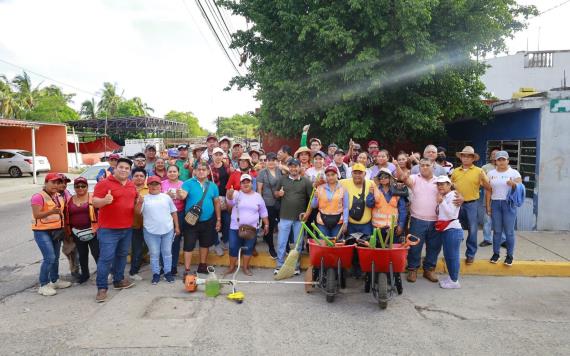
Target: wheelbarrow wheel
[(382, 290), (331, 284), (367, 283)]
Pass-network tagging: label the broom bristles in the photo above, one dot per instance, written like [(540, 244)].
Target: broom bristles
[(288, 268)]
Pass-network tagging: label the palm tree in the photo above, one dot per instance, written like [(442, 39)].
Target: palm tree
[(88, 109), (8, 105), (141, 106), (109, 100), (25, 94)]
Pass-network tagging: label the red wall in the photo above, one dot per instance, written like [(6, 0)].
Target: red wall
[(51, 141)]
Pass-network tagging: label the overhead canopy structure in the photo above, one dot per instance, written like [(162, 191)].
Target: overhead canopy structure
[(96, 146), (124, 127)]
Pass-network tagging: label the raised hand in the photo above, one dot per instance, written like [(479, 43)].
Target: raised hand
[(108, 198)]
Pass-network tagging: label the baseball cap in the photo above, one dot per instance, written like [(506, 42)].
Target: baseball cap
[(153, 179), (443, 179), (172, 152), (340, 151), (314, 139), (333, 145), (183, 146), (50, 177), (372, 142), (150, 146), (356, 146), (384, 171), (293, 162), (218, 150), (244, 177), (236, 144), (114, 156), (225, 138), (320, 153), (331, 169), (502, 154), (80, 180), (211, 136), (359, 167)]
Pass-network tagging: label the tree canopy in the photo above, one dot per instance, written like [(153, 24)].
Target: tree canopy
[(390, 69), (194, 128), (113, 104), (239, 125)]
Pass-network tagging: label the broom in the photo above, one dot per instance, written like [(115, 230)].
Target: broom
[(288, 268)]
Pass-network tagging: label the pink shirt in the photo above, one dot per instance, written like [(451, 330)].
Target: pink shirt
[(167, 185), (424, 199)]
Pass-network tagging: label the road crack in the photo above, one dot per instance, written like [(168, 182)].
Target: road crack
[(424, 312)]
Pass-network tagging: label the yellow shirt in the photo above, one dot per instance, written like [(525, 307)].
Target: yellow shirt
[(467, 181), (137, 219), (353, 191)]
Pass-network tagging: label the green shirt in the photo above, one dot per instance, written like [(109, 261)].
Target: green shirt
[(184, 173), (297, 195)]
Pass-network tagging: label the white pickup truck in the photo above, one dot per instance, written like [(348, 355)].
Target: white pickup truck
[(133, 146)]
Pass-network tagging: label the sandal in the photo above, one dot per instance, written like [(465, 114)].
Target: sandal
[(229, 271), (247, 272)]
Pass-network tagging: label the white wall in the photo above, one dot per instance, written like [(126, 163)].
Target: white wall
[(554, 170), (508, 74)]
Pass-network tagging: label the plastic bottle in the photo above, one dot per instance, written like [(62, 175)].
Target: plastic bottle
[(212, 283)]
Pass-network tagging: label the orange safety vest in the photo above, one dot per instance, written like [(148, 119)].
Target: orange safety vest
[(332, 207), (383, 210), (53, 221), (92, 214)]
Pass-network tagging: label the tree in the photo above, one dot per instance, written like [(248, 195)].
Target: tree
[(88, 109), (245, 126), (388, 69), (194, 128), (109, 103), (8, 105), (51, 105)]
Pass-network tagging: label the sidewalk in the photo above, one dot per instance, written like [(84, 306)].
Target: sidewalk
[(13, 190), (537, 254)]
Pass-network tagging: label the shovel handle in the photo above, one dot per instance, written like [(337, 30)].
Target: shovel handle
[(411, 240)]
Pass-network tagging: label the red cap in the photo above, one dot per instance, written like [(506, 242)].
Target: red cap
[(80, 180), (114, 156), (373, 142), (50, 177), (153, 179), (64, 178), (331, 169)]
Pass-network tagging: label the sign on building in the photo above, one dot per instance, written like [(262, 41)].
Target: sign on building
[(560, 105)]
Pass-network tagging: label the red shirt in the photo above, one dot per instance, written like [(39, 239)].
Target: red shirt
[(235, 176), (119, 214)]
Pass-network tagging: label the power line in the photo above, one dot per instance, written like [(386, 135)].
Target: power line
[(49, 78), (218, 20), (552, 8), (216, 35)]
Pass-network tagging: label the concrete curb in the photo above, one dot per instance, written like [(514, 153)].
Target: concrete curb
[(478, 268)]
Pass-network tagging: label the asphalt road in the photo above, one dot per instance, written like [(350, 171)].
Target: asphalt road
[(489, 315)]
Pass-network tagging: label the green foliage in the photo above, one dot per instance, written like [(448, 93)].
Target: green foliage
[(389, 69), (194, 128), (51, 105), (239, 125)]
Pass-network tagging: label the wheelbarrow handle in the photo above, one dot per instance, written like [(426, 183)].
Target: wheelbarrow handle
[(411, 240)]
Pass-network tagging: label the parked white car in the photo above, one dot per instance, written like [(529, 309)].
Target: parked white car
[(16, 162), (91, 175)]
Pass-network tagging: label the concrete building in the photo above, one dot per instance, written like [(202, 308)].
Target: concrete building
[(535, 132), (540, 70)]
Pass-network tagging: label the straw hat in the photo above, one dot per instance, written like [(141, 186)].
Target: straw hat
[(246, 157), (301, 150), (468, 150)]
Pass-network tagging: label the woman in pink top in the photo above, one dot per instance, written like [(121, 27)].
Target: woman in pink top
[(170, 186), (248, 208)]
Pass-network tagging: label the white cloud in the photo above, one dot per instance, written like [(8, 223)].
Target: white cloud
[(155, 50)]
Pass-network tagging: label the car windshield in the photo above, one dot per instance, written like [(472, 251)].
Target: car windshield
[(25, 153), (91, 172)]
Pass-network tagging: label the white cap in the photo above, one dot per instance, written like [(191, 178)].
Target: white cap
[(218, 150), (244, 177), (442, 179)]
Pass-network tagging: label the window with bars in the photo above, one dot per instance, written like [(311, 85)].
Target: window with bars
[(522, 157), (539, 60)]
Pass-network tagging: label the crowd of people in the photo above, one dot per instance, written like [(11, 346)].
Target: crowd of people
[(220, 197)]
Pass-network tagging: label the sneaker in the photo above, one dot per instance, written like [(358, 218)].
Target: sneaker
[(297, 272), (101, 296), (509, 260), (136, 277), (202, 268), (174, 272), (110, 278), (485, 243), (46, 290), (449, 284), (495, 258), (275, 271), (219, 250), (155, 279), (59, 284), (504, 244), (273, 253), (169, 277), (124, 284)]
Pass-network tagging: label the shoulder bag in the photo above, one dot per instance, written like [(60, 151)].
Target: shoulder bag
[(358, 205), (193, 214), (246, 232)]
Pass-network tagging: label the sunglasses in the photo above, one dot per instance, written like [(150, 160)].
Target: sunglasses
[(80, 186)]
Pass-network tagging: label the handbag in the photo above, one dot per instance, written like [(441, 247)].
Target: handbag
[(330, 221), (58, 235), (357, 210), (83, 234), (399, 189), (193, 214), (246, 232)]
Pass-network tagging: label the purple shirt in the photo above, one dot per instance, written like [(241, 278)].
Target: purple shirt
[(251, 207)]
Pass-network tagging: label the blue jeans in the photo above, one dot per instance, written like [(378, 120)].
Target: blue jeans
[(366, 229), (451, 244), (504, 218), (137, 247), (425, 231), (237, 242), (468, 217), (49, 270), (176, 242), (113, 249), (286, 227), (159, 245), (329, 232)]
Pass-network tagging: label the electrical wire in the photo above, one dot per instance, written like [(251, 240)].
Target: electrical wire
[(221, 17), (550, 9)]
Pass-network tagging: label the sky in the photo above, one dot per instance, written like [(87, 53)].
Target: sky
[(161, 51)]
